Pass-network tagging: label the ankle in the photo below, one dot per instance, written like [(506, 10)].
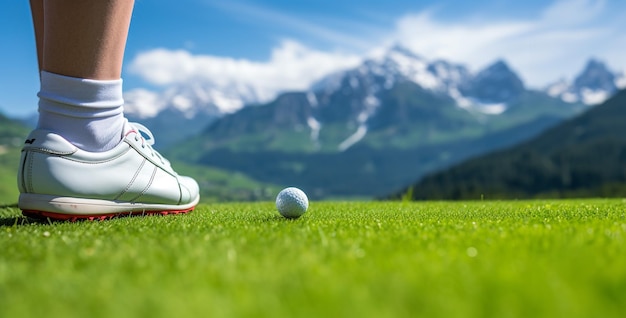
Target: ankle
[(88, 113)]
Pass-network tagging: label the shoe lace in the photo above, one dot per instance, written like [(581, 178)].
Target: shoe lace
[(144, 132)]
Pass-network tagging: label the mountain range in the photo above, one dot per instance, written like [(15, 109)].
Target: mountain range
[(381, 125), (582, 157), (196, 105)]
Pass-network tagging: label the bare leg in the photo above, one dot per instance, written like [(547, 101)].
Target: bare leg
[(36, 9), (82, 39), (80, 50)]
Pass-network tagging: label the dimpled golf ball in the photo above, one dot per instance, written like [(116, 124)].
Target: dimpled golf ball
[(292, 202)]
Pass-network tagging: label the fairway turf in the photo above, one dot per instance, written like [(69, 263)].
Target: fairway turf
[(341, 259)]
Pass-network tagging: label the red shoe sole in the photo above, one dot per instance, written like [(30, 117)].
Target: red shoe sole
[(94, 217)]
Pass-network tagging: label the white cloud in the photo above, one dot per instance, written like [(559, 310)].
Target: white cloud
[(291, 66), (263, 16), (462, 41), (143, 103), (555, 43)]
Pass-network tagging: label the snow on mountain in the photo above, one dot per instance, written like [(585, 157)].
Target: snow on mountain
[(371, 103), (595, 84), (476, 105), (360, 132), (620, 80), (596, 76), (412, 67), (486, 92), (449, 74), (558, 88), (593, 97), (397, 64), (437, 75)]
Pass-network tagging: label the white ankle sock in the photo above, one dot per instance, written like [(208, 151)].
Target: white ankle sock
[(88, 113)]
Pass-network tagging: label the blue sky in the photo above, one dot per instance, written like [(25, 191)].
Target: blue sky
[(284, 44)]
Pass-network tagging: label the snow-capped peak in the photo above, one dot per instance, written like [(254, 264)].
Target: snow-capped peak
[(434, 75), (399, 63), (595, 84), (596, 76), (486, 92)]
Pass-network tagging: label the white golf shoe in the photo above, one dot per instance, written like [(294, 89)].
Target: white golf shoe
[(60, 181)]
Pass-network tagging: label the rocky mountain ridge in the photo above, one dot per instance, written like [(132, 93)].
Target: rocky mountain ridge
[(367, 130), (594, 85)]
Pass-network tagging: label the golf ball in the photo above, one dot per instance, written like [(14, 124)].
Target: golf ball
[(292, 202)]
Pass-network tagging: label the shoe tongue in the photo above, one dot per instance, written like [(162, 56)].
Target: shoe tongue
[(50, 142)]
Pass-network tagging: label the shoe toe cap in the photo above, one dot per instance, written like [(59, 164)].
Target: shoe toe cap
[(189, 188)]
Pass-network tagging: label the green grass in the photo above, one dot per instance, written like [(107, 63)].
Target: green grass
[(341, 259), (9, 163), (217, 185)]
